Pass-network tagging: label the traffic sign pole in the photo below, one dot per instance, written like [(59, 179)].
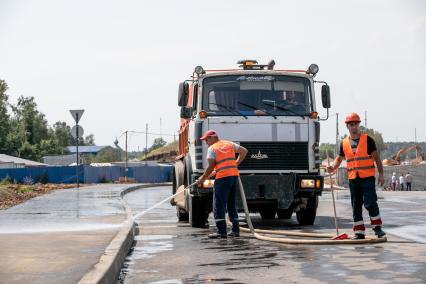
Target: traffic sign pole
[(77, 118), (76, 114)]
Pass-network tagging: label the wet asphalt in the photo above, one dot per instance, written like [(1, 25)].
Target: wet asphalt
[(166, 251)]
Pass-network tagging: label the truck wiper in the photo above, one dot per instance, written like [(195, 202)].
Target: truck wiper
[(230, 109), (281, 108), (255, 108)]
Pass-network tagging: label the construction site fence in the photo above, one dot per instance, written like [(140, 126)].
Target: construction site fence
[(417, 171), (88, 174)]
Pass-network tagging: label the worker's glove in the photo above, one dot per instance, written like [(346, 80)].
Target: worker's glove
[(200, 182), (330, 169)]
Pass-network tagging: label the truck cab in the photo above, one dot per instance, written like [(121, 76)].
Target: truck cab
[(270, 112)]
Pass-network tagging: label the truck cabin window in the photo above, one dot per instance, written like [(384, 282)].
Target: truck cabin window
[(257, 94)]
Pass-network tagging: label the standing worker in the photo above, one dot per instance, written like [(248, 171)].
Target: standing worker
[(360, 152), (221, 158)]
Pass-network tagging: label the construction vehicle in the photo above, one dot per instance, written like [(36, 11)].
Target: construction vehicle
[(270, 112), (396, 159)]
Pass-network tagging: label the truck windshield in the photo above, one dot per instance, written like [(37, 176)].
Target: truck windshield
[(247, 95)]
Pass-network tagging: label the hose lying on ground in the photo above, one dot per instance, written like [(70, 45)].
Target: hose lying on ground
[(257, 233)]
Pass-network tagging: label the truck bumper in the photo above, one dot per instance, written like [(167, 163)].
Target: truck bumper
[(277, 190), (282, 189)]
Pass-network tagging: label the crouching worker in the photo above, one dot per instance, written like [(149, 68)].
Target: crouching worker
[(221, 159)]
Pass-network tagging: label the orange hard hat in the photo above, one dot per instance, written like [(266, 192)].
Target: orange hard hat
[(352, 117)]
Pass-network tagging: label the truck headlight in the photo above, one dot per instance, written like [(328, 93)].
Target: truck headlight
[(307, 183)]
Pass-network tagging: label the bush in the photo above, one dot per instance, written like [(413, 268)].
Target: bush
[(6, 180), (104, 180), (28, 180), (44, 178)]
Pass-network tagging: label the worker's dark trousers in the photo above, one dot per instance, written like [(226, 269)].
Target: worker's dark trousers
[(408, 186), (363, 192), (224, 200)]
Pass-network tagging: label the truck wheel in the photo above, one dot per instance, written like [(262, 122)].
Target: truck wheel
[(268, 213), (197, 211), (307, 216), (284, 213)]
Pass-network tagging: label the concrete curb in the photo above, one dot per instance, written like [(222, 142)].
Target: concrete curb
[(108, 268)]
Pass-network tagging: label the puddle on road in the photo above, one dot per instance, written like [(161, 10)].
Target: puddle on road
[(148, 246), (197, 280), (415, 233)]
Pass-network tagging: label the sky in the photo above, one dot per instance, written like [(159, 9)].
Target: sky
[(122, 61)]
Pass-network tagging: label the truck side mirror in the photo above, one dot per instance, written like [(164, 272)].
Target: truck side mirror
[(185, 112), (325, 96), (183, 94)]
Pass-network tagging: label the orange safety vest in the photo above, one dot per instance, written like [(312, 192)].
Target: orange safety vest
[(226, 164), (359, 163)]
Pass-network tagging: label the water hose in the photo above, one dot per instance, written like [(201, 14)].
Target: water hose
[(325, 239), (263, 234)]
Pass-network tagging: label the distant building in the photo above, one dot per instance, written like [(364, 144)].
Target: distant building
[(85, 153), (7, 162), (61, 160)]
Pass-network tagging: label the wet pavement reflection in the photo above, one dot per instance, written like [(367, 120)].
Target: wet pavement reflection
[(167, 251)]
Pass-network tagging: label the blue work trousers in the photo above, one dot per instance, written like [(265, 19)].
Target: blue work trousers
[(363, 192), (224, 200)]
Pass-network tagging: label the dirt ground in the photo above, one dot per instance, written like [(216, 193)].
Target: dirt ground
[(13, 194)]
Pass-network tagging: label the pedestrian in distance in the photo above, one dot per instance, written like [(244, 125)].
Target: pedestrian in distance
[(401, 182), (222, 160), (361, 153), (393, 181), (408, 181)]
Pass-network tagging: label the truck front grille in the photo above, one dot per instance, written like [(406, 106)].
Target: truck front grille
[(275, 156)]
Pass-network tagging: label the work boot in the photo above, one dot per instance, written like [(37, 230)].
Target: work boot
[(217, 236), (233, 235), (358, 237), (379, 232)]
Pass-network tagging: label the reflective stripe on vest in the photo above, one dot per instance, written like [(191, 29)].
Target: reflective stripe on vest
[(359, 163), (226, 164)]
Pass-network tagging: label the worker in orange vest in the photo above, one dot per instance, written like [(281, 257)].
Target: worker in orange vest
[(221, 159), (360, 152)]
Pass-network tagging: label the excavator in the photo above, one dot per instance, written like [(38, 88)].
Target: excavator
[(396, 159)]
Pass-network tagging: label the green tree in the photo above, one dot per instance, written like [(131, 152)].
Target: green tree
[(4, 119), (25, 133), (62, 133), (89, 140), (327, 147), (107, 155), (158, 143), (377, 136), (31, 120), (50, 147)]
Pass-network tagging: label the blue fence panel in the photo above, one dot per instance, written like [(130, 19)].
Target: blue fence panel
[(49, 174), (102, 174), (88, 174), (151, 173)]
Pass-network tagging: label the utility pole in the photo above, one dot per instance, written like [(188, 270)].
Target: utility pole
[(365, 119), (78, 160), (336, 148), (161, 134), (415, 141), (127, 157), (146, 143)]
